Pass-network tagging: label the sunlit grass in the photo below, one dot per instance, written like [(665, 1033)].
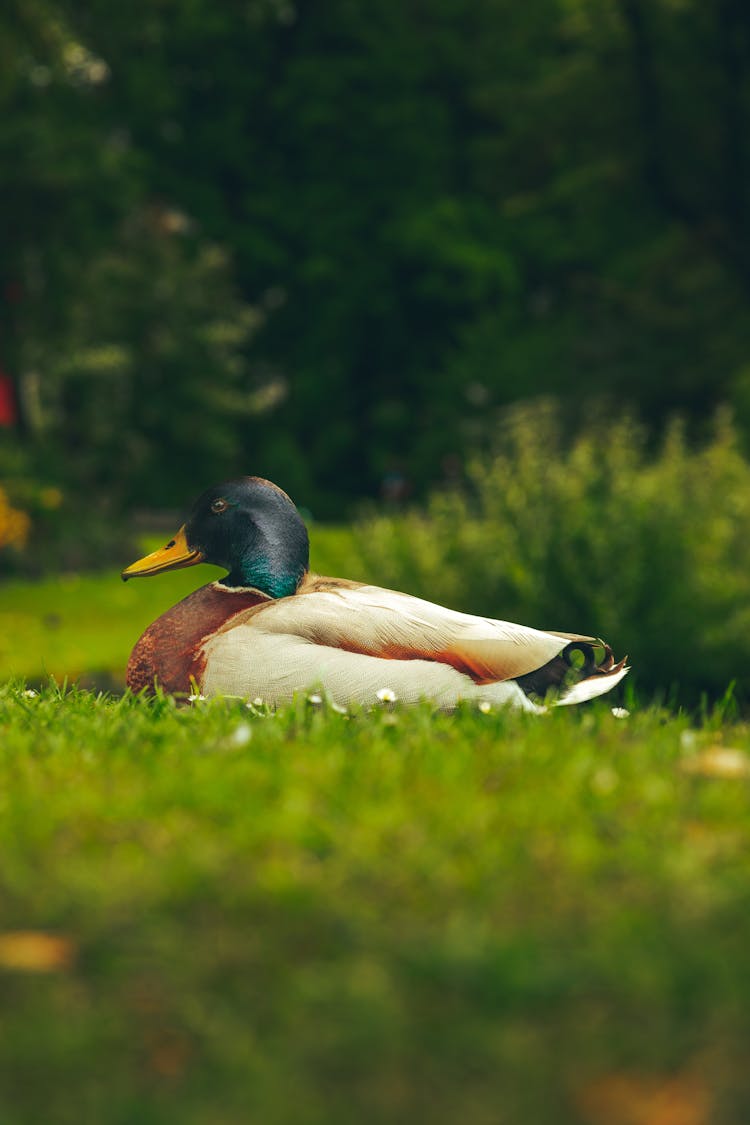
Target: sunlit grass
[(216, 914)]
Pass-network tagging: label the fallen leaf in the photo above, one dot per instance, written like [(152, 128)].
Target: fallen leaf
[(622, 1099), (33, 951), (718, 761), (168, 1055)]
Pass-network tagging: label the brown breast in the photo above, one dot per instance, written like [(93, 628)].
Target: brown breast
[(170, 652)]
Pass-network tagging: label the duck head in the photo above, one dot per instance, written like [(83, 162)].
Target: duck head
[(249, 527)]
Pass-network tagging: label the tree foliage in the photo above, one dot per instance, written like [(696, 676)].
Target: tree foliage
[(406, 215)]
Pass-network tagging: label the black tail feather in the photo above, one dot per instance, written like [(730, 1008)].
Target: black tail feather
[(579, 660)]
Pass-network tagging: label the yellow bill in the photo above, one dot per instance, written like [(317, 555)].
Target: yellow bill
[(176, 554)]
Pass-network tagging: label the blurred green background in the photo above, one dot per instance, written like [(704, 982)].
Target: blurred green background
[(379, 253), (470, 279)]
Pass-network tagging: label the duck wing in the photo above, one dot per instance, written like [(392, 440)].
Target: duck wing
[(390, 625)]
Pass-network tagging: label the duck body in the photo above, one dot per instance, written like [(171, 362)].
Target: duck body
[(272, 629)]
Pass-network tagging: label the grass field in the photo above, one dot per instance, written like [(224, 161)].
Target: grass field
[(211, 915), (214, 915)]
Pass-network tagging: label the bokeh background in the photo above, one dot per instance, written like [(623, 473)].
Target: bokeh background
[(484, 267), (470, 279)]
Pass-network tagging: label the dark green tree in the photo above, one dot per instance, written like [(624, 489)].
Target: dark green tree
[(433, 210)]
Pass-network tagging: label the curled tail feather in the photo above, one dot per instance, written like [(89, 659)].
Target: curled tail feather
[(583, 670)]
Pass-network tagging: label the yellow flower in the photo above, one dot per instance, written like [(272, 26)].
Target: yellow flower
[(14, 524)]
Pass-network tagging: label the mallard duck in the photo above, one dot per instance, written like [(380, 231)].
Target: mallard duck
[(270, 628)]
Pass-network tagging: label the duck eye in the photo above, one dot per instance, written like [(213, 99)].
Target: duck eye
[(219, 506)]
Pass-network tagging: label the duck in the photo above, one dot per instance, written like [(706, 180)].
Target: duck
[(271, 629)]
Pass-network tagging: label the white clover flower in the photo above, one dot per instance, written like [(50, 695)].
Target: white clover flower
[(257, 702), (30, 693), (315, 699), (387, 695), (688, 740), (620, 712), (485, 706), (241, 735)]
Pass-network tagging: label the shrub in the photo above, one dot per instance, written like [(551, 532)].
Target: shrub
[(646, 547)]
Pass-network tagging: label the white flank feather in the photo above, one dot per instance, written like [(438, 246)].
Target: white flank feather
[(591, 688), (248, 663)]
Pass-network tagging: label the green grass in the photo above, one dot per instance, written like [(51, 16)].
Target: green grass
[(314, 919), (84, 625)]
